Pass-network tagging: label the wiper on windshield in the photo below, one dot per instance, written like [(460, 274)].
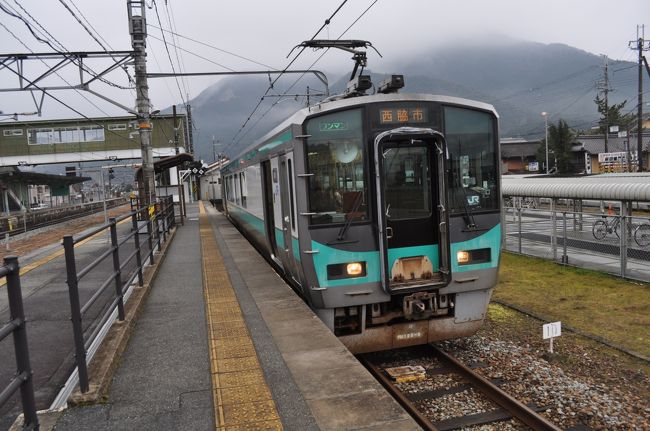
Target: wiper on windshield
[(468, 216), (355, 207)]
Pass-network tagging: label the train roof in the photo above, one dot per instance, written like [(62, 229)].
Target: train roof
[(633, 187), (322, 107)]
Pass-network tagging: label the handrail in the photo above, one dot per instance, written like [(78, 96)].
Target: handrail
[(154, 238), (94, 263), (17, 326)]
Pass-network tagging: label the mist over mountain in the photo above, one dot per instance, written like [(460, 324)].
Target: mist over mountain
[(520, 78)]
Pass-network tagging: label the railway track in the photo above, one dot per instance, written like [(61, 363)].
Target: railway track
[(458, 380)]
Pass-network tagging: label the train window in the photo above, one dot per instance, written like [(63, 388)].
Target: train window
[(407, 183), (242, 186), (473, 172), (335, 157), (293, 209)]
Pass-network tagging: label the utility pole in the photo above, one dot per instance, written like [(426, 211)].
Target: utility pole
[(190, 137), (138, 31), (603, 86), (175, 130), (640, 47)]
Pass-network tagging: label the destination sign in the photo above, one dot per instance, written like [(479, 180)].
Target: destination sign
[(331, 126), (403, 115)]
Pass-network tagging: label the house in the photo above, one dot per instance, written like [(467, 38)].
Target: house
[(621, 154), (519, 155)]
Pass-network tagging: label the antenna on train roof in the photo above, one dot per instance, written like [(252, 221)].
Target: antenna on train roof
[(357, 84)]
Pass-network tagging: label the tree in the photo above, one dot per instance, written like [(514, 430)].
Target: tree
[(560, 138), (611, 115)]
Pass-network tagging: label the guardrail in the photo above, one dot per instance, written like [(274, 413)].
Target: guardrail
[(16, 325), (158, 220), (617, 244)]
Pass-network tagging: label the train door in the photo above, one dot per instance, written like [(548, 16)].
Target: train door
[(412, 209), (267, 196), (288, 206)]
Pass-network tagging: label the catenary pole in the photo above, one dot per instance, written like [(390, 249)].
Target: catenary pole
[(138, 31)]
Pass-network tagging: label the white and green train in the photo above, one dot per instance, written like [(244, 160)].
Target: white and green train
[(381, 210)]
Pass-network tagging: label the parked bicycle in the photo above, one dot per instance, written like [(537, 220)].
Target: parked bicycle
[(605, 227), (642, 234)]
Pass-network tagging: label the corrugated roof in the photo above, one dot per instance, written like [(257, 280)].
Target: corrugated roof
[(619, 187), (596, 144)]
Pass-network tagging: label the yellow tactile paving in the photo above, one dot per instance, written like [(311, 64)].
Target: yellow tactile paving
[(242, 399)]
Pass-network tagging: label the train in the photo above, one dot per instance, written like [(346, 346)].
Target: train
[(381, 210)]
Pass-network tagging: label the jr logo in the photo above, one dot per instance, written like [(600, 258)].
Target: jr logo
[(473, 200)]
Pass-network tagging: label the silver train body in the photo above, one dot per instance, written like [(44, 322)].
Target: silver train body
[(382, 211)]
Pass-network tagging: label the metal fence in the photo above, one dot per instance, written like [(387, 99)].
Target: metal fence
[(16, 326), (157, 220), (617, 244)]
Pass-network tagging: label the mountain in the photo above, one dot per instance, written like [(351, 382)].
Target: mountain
[(520, 78)]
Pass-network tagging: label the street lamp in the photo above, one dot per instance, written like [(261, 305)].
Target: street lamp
[(545, 115)]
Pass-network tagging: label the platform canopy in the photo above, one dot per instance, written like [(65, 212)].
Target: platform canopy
[(633, 187), (14, 176)]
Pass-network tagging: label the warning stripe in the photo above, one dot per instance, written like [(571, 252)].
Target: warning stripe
[(242, 399)]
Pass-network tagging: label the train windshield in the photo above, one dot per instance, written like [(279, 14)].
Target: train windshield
[(471, 143), (335, 158)]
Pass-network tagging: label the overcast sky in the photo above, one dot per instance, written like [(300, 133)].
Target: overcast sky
[(265, 31)]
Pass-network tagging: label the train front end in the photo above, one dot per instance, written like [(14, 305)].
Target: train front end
[(402, 236)]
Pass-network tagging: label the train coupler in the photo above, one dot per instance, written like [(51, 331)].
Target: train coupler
[(420, 305)]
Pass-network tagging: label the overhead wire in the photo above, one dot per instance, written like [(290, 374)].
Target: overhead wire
[(179, 58), (303, 74), (62, 50), (56, 73), (213, 47), (169, 56), (96, 35), (272, 83)]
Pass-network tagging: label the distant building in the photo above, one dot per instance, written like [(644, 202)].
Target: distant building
[(519, 156), (86, 139)]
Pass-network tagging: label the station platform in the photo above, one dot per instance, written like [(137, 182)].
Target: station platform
[(224, 343)]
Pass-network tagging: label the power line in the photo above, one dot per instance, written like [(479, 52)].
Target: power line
[(48, 42), (302, 75), (56, 73), (91, 33), (169, 56), (179, 58), (196, 55), (270, 87), (213, 47)]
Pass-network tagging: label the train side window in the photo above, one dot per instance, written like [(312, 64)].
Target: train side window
[(293, 209)]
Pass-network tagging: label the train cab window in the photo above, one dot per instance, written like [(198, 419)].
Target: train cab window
[(472, 145), (335, 158)]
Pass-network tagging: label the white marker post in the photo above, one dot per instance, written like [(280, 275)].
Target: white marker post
[(551, 330)]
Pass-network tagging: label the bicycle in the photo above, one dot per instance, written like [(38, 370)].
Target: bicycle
[(642, 234), (603, 227)]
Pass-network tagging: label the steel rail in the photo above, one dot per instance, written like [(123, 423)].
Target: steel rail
[(497, 395), (410, 408)]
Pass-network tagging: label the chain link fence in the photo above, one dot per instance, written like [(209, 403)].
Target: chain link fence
[(602, 241)]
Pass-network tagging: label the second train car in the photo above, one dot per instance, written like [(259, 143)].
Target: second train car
[(382, 211)]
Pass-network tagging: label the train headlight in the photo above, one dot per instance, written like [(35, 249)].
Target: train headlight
[(354, 269), (471, 257), (339, 271), (462, 257)]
